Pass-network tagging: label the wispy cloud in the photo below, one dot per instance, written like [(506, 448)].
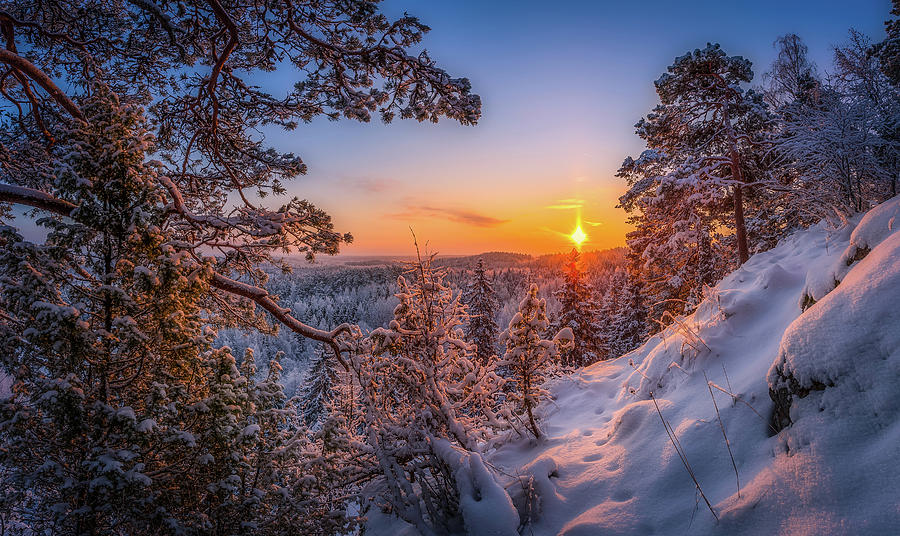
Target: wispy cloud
[(466, 217), (593, 223), (368, 185), (566, 204)]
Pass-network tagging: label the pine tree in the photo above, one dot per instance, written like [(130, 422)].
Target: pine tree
[(352, 61), (481, 301), (528, 354), (124, 417), (699, 136), (686, 194), (579, 312)]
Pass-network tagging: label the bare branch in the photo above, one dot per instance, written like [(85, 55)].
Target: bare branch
[(40, 78)]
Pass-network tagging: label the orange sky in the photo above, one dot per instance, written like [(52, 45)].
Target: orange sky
[(524, 223), (463, 196)]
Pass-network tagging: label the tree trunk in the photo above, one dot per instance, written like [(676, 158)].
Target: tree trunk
[(740, 229), (737, 174), (534, 427)]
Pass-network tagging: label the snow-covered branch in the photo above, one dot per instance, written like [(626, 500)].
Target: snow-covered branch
[(262, 298), (21, 195)]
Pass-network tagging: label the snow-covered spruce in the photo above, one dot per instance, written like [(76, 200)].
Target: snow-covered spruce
[(623, 315), (580, 313), (527, 356), (481, 329)]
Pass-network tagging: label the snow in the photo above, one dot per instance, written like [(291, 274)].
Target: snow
[(125, 413), (485, 506), (146, 425), (607, 466)]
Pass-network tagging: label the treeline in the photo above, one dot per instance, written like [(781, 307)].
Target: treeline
[(329, 295)]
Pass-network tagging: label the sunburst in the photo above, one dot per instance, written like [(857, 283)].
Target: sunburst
[(578, 236)]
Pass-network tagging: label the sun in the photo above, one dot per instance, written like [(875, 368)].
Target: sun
[(578, 236)]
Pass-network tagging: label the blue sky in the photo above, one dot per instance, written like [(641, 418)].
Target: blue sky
[(562, 85)]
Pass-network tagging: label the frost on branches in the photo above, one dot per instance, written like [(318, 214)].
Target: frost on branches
[(124, 418), (691, 190), (429, 405), (527, 356), (839, 138)]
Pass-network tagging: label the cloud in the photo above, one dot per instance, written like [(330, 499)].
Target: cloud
[(593, 223), (566, 204), (367, 184), (466, 217)]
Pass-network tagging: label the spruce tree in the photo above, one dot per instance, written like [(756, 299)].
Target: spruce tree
[(528, 355), (318, 388), (624, 315), (579, 312), (481, 329)]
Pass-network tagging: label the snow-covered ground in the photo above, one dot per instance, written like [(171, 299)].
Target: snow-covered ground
[(608, 465)]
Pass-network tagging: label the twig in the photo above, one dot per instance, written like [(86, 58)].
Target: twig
[(727, 443), (681, 454), (727, 382), (741, 400), (630, 362)]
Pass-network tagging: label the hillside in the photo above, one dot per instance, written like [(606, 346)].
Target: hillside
[(609, 467)]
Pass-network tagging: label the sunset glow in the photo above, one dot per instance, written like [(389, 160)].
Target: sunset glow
[(578, 236)]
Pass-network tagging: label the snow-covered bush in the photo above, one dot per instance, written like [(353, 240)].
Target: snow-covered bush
[(428, 406)]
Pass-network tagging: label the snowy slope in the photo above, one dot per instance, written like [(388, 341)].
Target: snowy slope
[(608, 466)]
